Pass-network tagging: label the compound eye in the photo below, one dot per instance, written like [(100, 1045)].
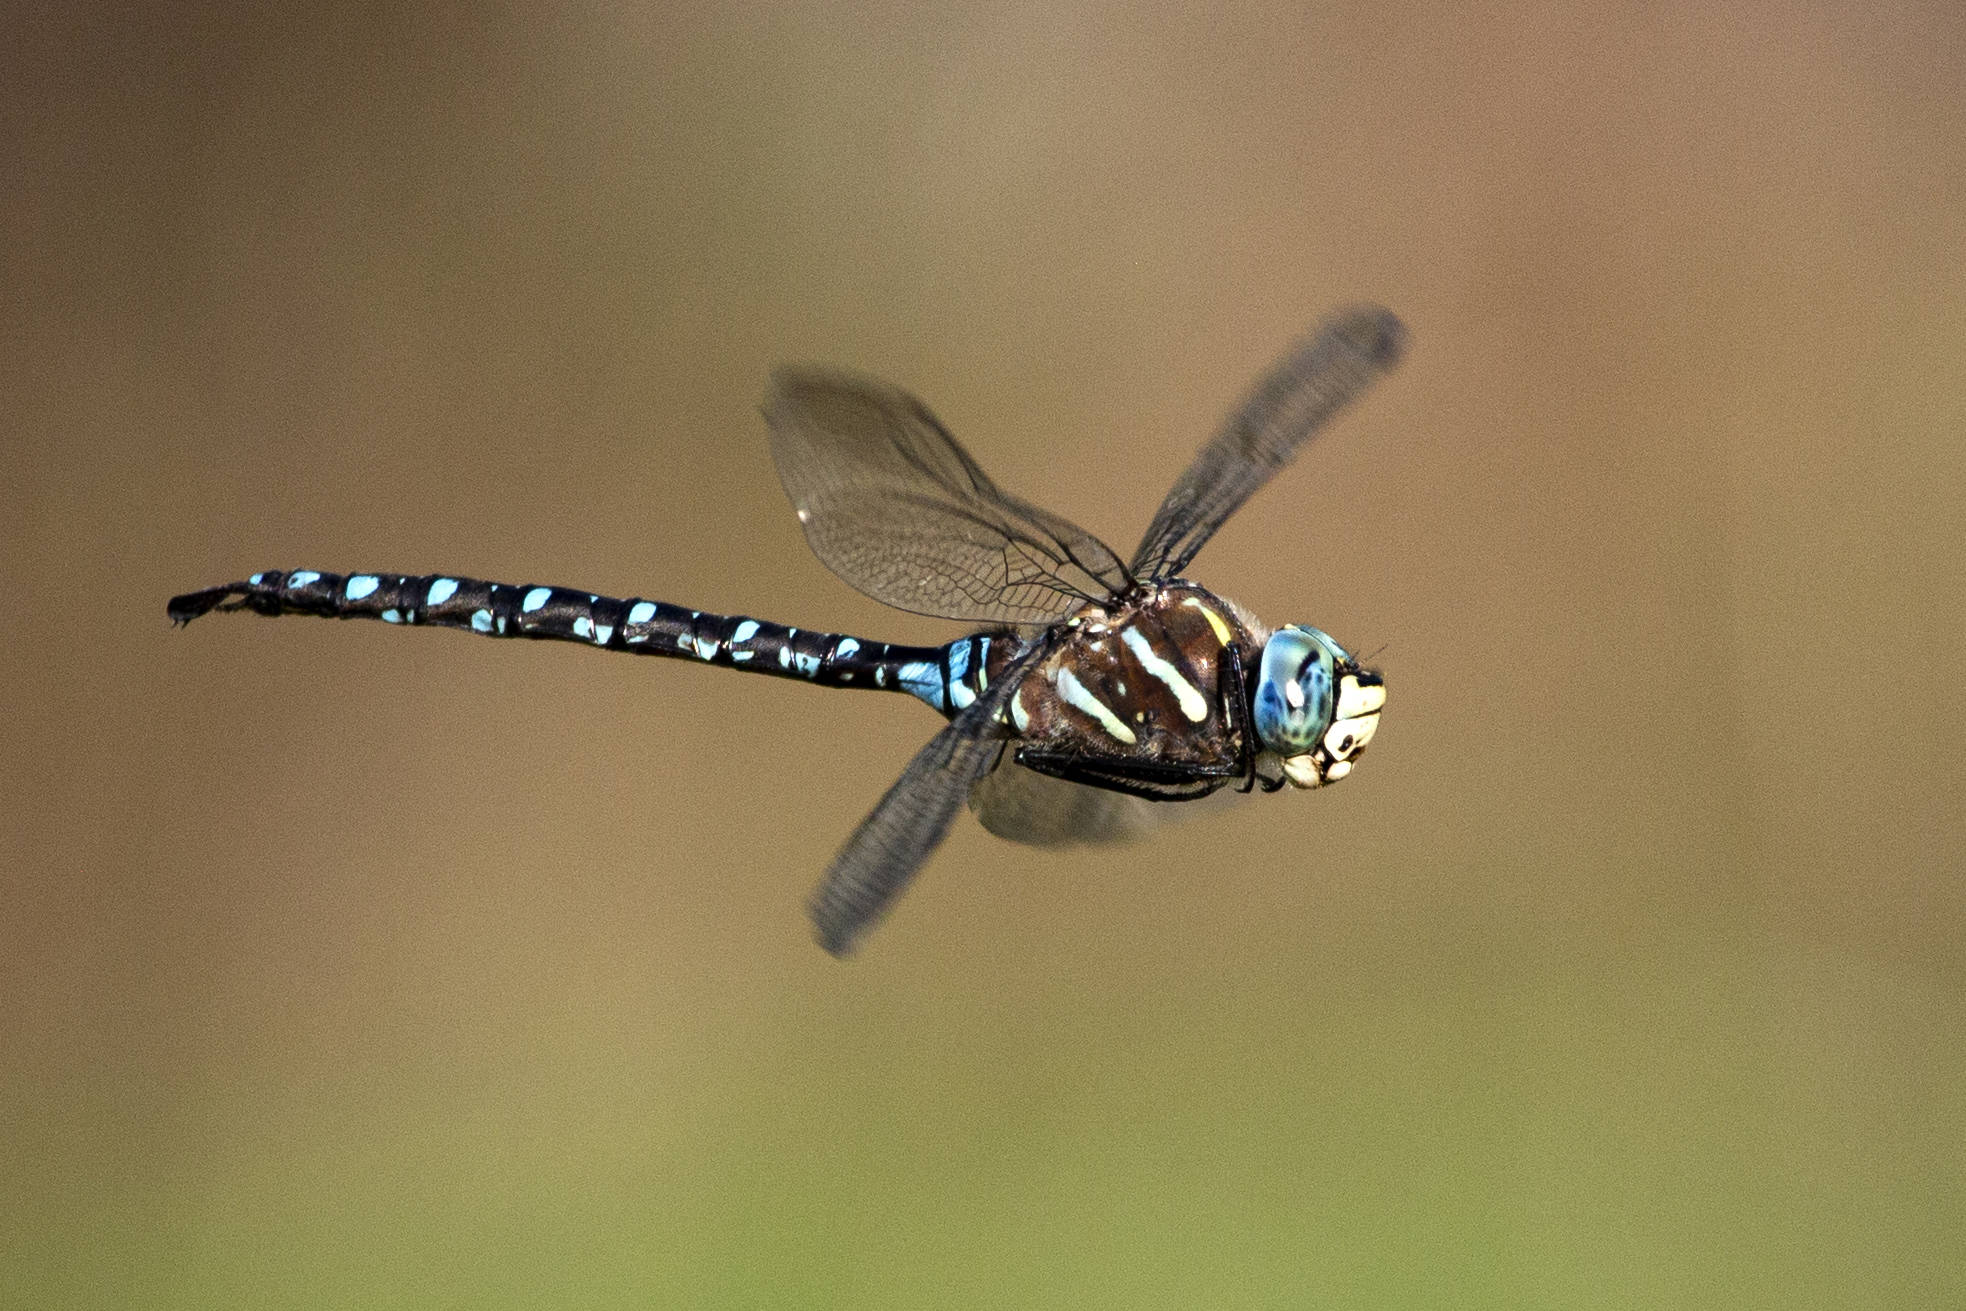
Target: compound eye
[(1310, 691), (1296, 690)]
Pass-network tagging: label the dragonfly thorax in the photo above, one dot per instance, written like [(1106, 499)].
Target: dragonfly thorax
[(1171, 692), (1142, 677)]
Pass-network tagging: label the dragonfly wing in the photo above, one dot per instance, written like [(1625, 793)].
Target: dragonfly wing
[(892, 504), (1289, 404), (913, 818), (1038, 810)]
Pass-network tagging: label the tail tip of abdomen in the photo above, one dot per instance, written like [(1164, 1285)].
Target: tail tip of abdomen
[(183, 609)]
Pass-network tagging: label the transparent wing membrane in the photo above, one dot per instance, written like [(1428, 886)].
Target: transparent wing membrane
[(1038, 810), (893, 505), (913, 818), (1325, 372)]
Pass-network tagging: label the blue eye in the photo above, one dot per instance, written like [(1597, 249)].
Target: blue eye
[(1296, 689)]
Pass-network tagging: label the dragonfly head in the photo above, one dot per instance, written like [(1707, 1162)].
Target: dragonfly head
[(1315, 708)]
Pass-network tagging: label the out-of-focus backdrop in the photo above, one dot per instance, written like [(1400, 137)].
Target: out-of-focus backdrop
[(343, 966)]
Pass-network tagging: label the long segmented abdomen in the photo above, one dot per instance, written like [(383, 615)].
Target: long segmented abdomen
[(943, 676)]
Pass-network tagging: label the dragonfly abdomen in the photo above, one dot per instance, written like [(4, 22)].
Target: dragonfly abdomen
[(933, 674)]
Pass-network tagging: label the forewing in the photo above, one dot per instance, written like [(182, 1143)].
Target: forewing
[(1299, 395), (911, 820), (897, 509)]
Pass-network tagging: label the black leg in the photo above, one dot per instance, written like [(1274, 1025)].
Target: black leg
[(1235, 705), (1154, 780)]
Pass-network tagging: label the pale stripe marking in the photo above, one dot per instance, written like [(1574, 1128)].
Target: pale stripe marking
[(1222, 633), (1078, 698), (1193, 704)]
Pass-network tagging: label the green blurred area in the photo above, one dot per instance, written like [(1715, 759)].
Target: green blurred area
[(1697, 1123), (347, 967)]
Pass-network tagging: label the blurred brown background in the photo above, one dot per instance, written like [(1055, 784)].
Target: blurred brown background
[(342, 966)]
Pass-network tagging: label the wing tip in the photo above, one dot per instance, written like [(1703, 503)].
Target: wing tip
[(1374, 332), (837, 930)]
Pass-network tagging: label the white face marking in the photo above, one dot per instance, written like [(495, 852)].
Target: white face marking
[(1347, 736), (1193, 704), (1222, 633), (481, 621), (306, 576), (1338, 770), (441, 591), (1355, 699), (1078, 698), (641, 612), (583, 627), (1301, 771), (1018, 714), (392, 616), (359, 586), (535, 599)]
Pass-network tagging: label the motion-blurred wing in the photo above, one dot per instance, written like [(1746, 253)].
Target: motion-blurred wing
[(897, 509), (1039, 810), (1298, 396), (909, 823)]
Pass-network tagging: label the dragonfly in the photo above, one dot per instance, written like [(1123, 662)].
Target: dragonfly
[(1091, 695)]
